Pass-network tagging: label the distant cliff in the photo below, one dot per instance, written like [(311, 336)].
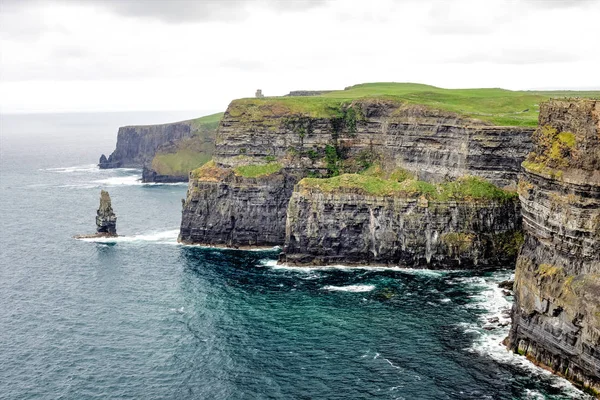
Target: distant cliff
[(167, 152), (556, 315), (136, 145)]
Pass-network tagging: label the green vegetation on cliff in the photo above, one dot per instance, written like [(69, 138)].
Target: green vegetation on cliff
[(467, 188), (255, 171), (190, 153), (496, 106)]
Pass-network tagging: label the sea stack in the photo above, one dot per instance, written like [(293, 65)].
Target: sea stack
[(556, 314), (106, 220)]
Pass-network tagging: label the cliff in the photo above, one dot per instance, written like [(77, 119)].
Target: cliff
[(225, 208), (316, 140), (169, 150), (432, 133), (415, 225), (435, 145), (556, 315)]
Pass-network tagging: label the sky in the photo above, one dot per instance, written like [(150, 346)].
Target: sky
[(129, 55)]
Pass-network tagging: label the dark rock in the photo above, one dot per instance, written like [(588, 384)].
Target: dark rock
[(234, 211), (508, 284), (494, 320), (106, 220), (555, 318), (151, 176)]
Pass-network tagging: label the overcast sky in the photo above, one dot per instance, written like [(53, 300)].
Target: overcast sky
[(103, 55)]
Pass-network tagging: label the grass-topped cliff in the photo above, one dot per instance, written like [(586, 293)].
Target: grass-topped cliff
[(400, 183), (180, 158), (496, 106)]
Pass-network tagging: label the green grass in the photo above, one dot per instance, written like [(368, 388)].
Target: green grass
[(463, 189), (179, 163), (206, 123), (255, 171), (190, 153), (498, 106)]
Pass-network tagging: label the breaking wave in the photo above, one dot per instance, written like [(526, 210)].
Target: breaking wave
[(350, 288)]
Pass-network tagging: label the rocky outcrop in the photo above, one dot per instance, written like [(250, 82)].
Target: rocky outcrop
[(556, 314), (106, 220), (354, 228), (224, 209), (149, 175), (137, 145), (434, 145)]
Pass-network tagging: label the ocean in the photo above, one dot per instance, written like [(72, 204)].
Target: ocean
[(142, 317)]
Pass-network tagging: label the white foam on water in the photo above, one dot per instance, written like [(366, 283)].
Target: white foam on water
[(162, 237), (489, 342), (411, 271), (77, 168), (130, 180), (350, 288)]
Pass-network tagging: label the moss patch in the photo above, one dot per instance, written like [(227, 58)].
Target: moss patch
[(254, 171), (458, 242), (465, 188), (210, 172)]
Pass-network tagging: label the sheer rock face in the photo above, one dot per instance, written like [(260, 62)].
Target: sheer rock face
[(329, 228), (432, 144), (137, 145), (106, 220), (435, 145), (556, 315), (237, 212)]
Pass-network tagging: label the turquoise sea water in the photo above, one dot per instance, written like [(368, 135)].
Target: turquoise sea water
[(142, 317)]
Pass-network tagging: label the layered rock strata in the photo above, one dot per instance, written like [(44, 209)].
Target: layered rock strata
[(556, 314), (435, 145), (223, 209), (352, 228), (432, 144), (106, 220)]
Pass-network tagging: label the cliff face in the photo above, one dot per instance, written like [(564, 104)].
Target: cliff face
[(222, 209), (434, 145), (136, 145), (556, 316), (326, 228)]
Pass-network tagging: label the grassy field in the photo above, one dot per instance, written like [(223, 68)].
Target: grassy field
[(206, 123), (498, 106), (466, 188), (254, 171)]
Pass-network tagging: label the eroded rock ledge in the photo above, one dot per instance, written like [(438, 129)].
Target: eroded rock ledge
[(352, 228), (556, 315)]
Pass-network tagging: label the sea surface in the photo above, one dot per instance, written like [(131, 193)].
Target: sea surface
[(142, 317)]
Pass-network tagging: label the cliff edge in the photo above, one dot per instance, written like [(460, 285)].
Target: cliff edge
[(556, 314)]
